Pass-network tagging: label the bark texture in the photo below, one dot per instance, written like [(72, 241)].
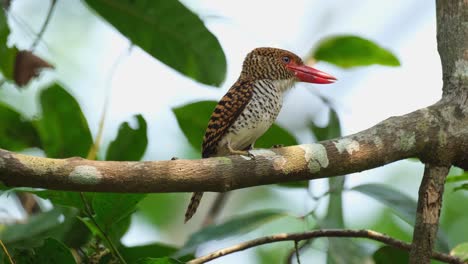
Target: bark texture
[(417, 134)]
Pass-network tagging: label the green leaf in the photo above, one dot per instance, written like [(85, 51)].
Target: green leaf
[(16, 133), (156, 250), (7, 54), (390, 255), (276, 135), (401, 204), (64, 198), (458, 178), (113, 211), (345, 251), (164, 260), (130, 143), (38, 227), (460, 251), (235, 226), (169, 32), (461, 187), (193, 119), (332, 130), (348, 51), (53, 251), (63, 128)]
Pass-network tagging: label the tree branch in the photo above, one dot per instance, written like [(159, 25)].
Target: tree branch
[(428, 212), (320, 233), (396, 138)]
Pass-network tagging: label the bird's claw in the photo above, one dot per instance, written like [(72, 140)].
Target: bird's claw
[(250, 155), (277, 146)]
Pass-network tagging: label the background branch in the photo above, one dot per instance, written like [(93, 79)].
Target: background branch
[(320, 233), (428, 212)]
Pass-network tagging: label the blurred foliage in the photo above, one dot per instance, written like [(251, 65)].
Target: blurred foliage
[(130, 143), (460, 251), (53, 251), (403, 206), (164, 260), (7, 55), (390, 255), (235, 226), (96, 222), (16, 133), (60, 112), (169, 32), (352, 51)]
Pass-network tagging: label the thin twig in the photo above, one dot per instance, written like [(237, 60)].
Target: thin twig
[(89, 212), (295, 252), (95, 147), (44, 26), (6, 252), (321, 233), (296, 249)]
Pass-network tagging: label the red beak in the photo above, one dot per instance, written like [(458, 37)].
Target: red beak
[(308, 74)]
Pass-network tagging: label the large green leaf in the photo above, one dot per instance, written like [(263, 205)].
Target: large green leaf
[(7, 54), (53, 251), (130, 143), (169, 32), (332, 130), (458, 178), (276, 135), (460, 251), (63, 128), (113, 211), (350, 51), (16, 133), (193, 119), (235, 226), (401, 204), (156, 250), (390, 255)]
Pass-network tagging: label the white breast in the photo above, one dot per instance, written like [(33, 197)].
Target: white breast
[(258, 115)]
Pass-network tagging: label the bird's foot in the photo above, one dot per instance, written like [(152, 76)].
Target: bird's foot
[(242, 153), (174, 158), (277, 146), (250, 154)]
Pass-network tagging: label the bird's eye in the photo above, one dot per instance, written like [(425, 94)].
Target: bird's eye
[(286, 59)]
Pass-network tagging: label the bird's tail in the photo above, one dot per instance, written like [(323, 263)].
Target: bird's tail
[(193, 205)]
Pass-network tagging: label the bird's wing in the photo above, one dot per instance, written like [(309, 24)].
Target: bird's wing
[(225, 114)]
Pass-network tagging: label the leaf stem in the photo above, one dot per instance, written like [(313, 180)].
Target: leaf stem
[(6, 252), (44, 26), (113, 248)]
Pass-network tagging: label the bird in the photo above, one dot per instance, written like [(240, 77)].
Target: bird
[(252, 104)]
